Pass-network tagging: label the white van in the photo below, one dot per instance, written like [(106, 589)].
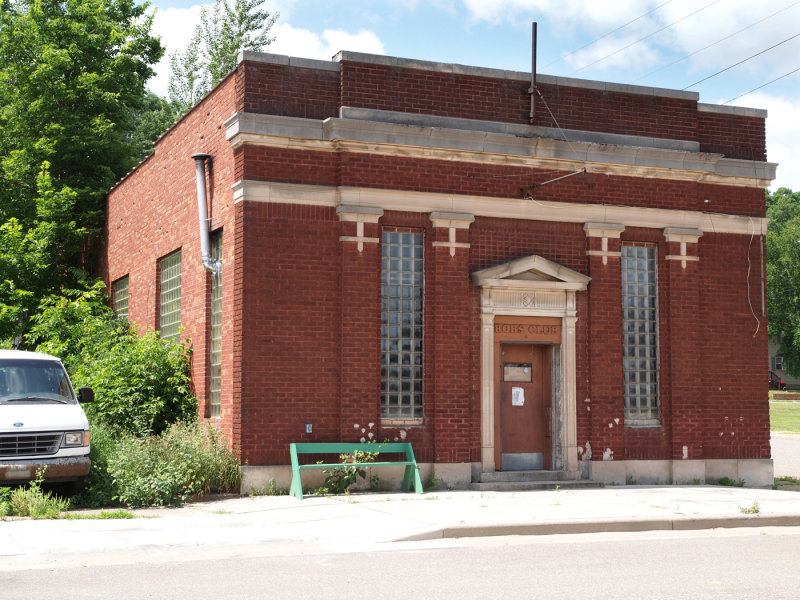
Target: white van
[(41, 421)]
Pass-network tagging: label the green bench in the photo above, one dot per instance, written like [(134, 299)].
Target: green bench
[(411, 469)]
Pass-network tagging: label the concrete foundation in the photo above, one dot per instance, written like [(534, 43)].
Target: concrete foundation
[(756, 473), (452, 476)]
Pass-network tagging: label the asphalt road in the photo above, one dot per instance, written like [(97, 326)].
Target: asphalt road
[(730, 564)]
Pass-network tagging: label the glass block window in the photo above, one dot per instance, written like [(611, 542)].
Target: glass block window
[(169, 313), (640, 334), (215, 352), (402, 294), (119, 297)]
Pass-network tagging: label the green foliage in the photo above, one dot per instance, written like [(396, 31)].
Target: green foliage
[(31, 501), (340, 479), (728, 482), (101, 516), (750, 510), (99, 489), (223, 32), (152, 120), (783, 274), (33, 256), (141, 383), (432, 482), (72, 77), (186, 461), (270, 489)]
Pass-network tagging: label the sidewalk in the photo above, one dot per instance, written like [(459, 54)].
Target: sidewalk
[(367, 519)]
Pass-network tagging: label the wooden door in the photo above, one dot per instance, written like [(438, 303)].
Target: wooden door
[(525, 400)]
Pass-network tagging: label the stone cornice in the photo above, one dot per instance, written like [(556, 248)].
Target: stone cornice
[(496, 148), (486, 206)]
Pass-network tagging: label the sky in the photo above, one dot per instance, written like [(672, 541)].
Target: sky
[(722, 49)]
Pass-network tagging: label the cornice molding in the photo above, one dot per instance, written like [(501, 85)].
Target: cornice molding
[(487, 206), (497, 148)]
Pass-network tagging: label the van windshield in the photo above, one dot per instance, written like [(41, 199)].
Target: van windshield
[(33, 381)]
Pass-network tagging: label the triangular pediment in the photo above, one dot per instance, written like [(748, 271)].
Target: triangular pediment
[(532, 272)]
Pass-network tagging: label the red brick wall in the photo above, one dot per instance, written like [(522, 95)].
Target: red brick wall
[(153, 212), (465, 96), (291, 311), (447, 177), (615, 112), (732, 135), (733, 332), (302, 309), (287, 91)]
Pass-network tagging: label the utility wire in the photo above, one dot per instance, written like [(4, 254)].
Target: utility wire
[(763, 85), (645, 37), (607, 34), (646, 75), (742, 61)]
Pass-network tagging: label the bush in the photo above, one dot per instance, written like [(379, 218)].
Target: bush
[(31, 501), (186, 461), (141, 383), (99, 490)]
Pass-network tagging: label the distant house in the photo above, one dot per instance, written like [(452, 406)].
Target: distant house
[(399, 250), (776, 364)]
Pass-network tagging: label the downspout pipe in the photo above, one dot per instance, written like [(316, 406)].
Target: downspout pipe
[(215, 266)]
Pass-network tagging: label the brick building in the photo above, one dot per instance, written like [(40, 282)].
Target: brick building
[(406, 254)]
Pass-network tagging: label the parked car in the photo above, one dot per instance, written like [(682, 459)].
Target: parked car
[(775, 382), (42, 424)]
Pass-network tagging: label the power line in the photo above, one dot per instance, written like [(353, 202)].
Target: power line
[(645, 37), (763, 85), (608, 34), (742, 61), (646, 75)]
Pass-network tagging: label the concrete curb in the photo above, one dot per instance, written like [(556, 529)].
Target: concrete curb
[(606, 526)]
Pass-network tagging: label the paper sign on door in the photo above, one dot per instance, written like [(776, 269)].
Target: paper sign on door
[(517, 396)]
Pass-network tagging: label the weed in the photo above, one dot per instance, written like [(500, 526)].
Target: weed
[(432, 482), (271, 489), (186, 461), (728, 482), (630, 480), (339, 479), (375, 483), (31, 501), (750, 510)]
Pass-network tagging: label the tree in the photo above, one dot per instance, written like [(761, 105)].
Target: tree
[(152, 120), (72, 77), (224, 31), (783, 274), (141, 382)]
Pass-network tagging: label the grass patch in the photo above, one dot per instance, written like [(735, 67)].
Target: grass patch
[(784, 416), (103, 514), (786, 480)]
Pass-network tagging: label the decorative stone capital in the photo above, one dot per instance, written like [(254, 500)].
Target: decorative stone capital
[(604, 231), (451, 221), (359, 215), (683, 237)]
